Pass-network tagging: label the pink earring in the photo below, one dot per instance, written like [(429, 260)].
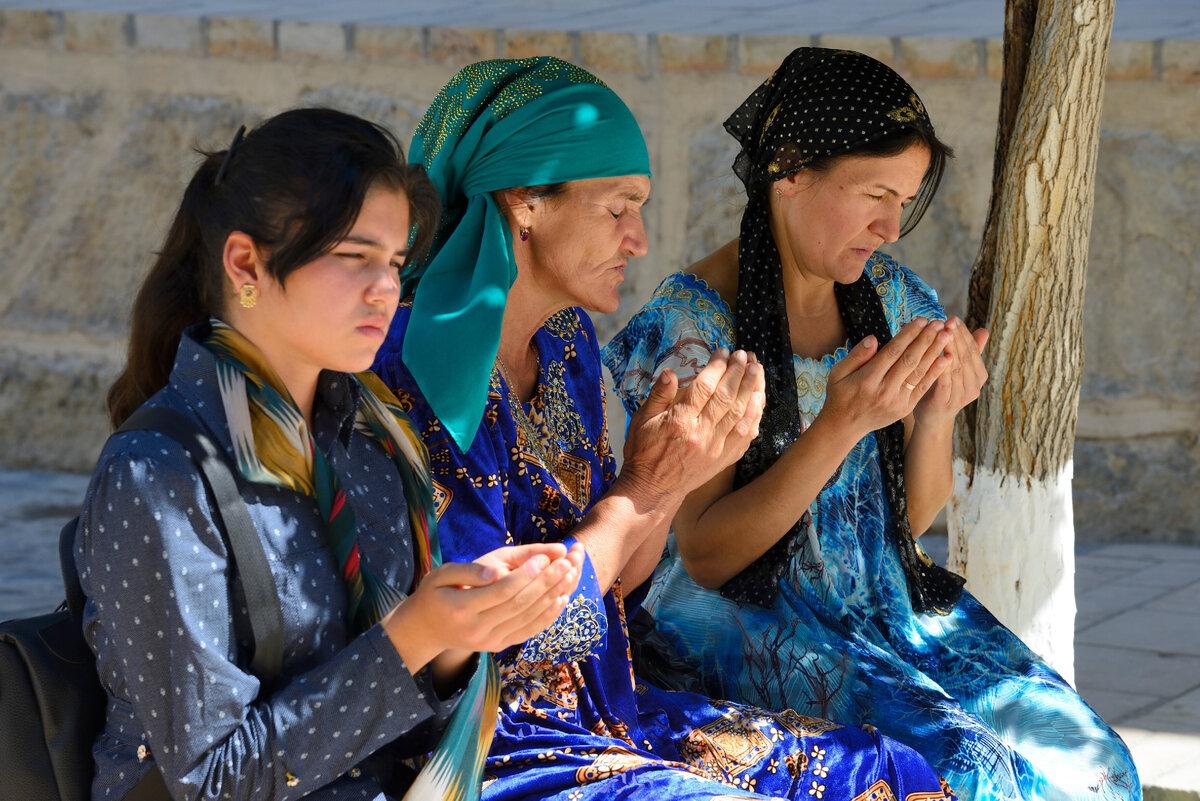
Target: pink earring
[(524, 234)]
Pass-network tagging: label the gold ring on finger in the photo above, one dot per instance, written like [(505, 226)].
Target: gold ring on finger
[(911, 387)]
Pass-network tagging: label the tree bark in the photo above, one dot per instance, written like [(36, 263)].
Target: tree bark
[(1011, 529)]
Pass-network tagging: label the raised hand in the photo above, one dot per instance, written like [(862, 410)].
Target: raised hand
[(961, 382), (874, 387), (679, 439), (502, 598)]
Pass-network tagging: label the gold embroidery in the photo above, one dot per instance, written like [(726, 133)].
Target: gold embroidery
[(767, 125), (564, 325), (614, 760), (803, 725), (524, 684), (727, 747), (442, 496), (879, 791), (551, 429), (449, 115), (796, 763), (578, 628), (909, 112)]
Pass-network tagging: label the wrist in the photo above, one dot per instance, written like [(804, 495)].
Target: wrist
[(643, 490), (935, 425), (407, 629), (841, 435)]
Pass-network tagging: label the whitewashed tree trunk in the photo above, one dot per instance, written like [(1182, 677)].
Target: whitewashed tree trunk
[(1010, 521)]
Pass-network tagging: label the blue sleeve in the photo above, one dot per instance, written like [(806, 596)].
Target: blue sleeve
[(905, 294), (657, 338), (473, 519), (157, 576)]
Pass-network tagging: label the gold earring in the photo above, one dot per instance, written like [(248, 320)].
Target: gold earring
[(248, 296), (778, 193)]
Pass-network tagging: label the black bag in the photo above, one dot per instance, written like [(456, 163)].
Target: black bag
[(53, 704)]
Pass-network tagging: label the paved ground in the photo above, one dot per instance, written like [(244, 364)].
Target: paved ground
[(1135, 19), (1137, 636)]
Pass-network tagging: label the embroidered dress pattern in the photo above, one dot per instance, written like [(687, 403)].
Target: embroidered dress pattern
[(841, 640), (575, 723)]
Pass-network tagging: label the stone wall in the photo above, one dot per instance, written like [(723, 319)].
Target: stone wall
[(98, 114)]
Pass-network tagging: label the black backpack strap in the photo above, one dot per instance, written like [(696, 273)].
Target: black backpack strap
[(70, 575), (262, 602)]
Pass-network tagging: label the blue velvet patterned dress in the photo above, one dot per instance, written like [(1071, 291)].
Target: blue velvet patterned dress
[(575, 722), (841, 640)]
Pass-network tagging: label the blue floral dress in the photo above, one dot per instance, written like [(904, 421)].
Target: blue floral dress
[(841, 640), (575, 722)]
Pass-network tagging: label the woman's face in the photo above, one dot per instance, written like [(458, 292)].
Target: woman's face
[(832, 221), (333, 313), (581, 240)]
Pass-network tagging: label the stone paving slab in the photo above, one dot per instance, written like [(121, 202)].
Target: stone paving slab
[(1134, 19), (1154, 630), (1137, 651)]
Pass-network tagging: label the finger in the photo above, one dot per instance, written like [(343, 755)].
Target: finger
[(577, 554), (859, 355), (745, 412), (725, 398), (693, 399), (937, 349), (890, 353), (484, 601), (463, 574), (981, 337), (934, 375), (746, 430), (661, 395), (910, 358), (758, 376), (556, 580), (513, 556), (517, 631)]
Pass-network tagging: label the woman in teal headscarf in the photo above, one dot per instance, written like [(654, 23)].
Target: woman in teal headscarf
[(543, 173)]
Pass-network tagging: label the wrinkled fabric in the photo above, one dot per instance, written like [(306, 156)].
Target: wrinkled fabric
[(166, 618), (575, 723), (841, 639)]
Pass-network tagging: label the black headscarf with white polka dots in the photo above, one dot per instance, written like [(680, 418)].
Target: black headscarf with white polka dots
[(819, 104)]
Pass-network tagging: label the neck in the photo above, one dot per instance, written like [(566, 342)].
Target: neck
[(302, 386), (298, 377), (526, 310), (806, 294)]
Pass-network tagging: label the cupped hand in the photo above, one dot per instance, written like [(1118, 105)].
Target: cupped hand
[(502, 598), (874, 387), (679, 439), (961, 382)]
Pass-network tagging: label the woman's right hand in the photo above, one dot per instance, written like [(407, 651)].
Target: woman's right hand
[(874, 387), (679, 439), (502, 598)]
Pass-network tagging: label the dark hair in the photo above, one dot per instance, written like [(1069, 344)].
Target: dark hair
[(295, 185), (544, 191), (893, 145)]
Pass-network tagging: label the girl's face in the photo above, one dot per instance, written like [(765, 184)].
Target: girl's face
[(333, 313), (580, 242), (832, 221)]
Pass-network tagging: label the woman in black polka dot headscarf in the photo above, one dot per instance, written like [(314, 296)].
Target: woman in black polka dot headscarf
[(795, 579)]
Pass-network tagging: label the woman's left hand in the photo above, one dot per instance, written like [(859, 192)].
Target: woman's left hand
[(962, 381)]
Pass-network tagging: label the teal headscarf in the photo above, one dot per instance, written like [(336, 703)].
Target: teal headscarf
[(497, 125)]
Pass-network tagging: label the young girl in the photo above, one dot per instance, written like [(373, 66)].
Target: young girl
[(274, 288)]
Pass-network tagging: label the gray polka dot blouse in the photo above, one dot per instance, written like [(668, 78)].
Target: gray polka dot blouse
[(169, 627)]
